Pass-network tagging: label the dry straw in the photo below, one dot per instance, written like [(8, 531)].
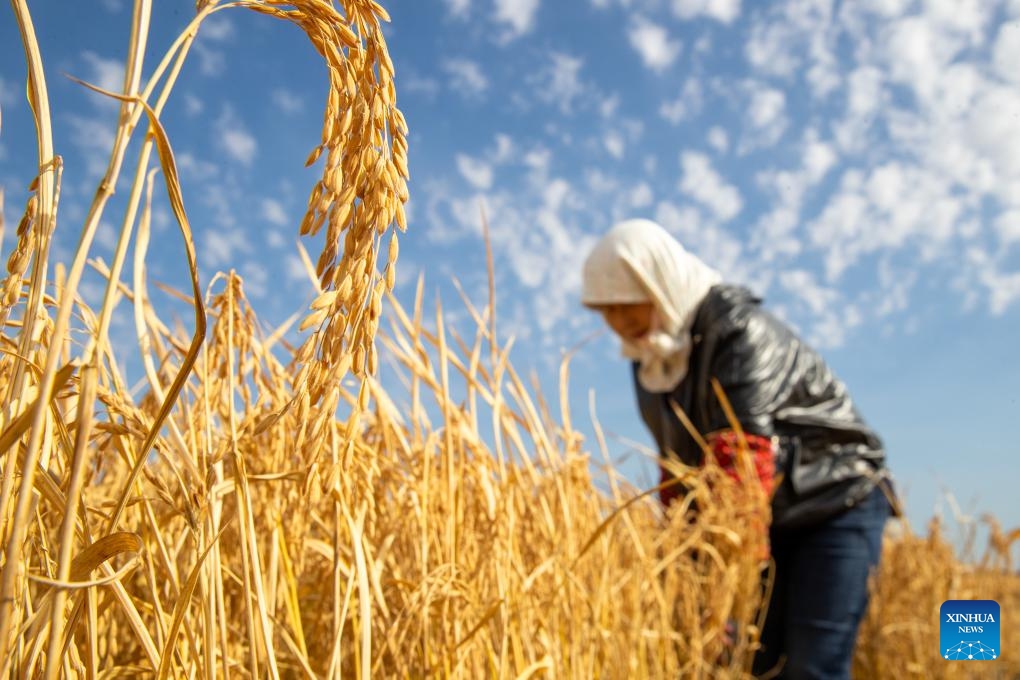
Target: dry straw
[(251, 514)]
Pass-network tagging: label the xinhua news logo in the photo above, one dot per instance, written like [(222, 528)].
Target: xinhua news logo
[(969, 630)]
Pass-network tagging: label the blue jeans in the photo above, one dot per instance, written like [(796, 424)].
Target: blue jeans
[(820, 593)]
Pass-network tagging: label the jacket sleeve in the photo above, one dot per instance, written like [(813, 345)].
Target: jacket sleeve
[(751, 362)]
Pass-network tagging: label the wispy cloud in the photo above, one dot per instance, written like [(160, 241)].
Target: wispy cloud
[(194, 168), (803, 285), (703, 236), (517, 15), (641, 196), (884, 209), (477, 173), (794, 38), (413, 83), (273, 212), (830, 314), (700, 181), (559, 83), (211, 62), (457, 8), (505, 149), (466, 78), (1006, 53), (1007, 225), (223, 247), (687, 105), (234, 139), (193, 105), (613, 141), (7, 97), (766, 117), (725, 11), (218, 28), (105, 73), (775, 233), (1002, 287), (287, 101), (93, 136), (718, 139), (653, 44)]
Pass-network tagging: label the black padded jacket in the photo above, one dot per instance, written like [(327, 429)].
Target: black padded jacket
[(779, 388)]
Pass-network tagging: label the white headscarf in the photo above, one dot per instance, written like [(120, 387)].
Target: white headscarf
[(639, 261)]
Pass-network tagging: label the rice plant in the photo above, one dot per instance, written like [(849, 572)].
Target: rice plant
[(250, 513)]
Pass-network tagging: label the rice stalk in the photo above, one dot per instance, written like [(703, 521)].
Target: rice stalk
[(248, 513)]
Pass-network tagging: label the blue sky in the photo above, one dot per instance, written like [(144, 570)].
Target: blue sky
[(856, 163)]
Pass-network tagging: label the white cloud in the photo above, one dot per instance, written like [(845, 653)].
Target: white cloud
[(518, 15), (1003, 287), (287, 101), (887, 9), (234, 139), (255, 279), (609, 106), (477, 173), (211, 62), (915, 53), (94, 137), (718, 139), (713, 244), (217, 28), (274, 239), (542, 250), (700, 181), (818, 159), (505, 149), (416, 84), (194, 168), (273, 212), (294, 268), (466, 78), (725, 11), (968, 18), (614, 144), (221, 246), (193, 105), (1007, 225), (641, 196), (775, 232), (830, 316), (653, 44), (107, 74), (894, 289), (802, 285), (600, 183), (113, 5), (885, 209), (766, 117), (866, 97), (560, 83), (458, 8), (7, 97), (686, 106), (106, 236), (538, 159), (794, 38), (1006, 53)]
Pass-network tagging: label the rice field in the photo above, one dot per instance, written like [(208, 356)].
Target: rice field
[(266, 509)]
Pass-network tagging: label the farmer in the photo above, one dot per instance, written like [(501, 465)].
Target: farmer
[(682, 326)]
